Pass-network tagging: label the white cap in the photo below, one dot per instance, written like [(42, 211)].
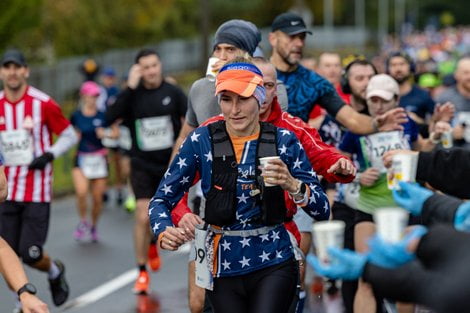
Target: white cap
[(383, 86)]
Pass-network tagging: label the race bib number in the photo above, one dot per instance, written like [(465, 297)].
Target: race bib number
[(204, 277), (464, 118), (93, 165), (351, 194), (155, 133), (378, 144), (17, 147)]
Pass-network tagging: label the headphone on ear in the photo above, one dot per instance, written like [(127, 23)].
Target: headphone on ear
[(344, 82), (404, 56)]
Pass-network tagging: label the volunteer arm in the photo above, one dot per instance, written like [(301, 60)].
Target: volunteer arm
[(447, 170)]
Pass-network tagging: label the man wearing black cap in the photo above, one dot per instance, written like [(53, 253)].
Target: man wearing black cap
[(305, 87), (28, 118)]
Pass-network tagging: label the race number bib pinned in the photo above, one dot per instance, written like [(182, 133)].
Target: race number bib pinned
[(203, 274), (379, 143), (17, 147), (93, 165), (154, 133)]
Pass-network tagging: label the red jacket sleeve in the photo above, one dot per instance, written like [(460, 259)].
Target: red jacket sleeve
[(180, 209), (182, 206), (321, 155)]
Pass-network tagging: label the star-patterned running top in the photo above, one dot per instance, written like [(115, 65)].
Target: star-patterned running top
[(238, 255)]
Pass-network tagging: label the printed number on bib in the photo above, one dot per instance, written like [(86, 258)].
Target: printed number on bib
[(17, 147), (378, 144), (204, 277), (93, 165), (154, 133)]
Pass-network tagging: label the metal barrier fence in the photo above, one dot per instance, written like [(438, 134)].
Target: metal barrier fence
[(62, 79)]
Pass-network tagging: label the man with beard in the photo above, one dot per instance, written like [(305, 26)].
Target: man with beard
[(416, 101), (154, 112), (305, 87), (28, 118)]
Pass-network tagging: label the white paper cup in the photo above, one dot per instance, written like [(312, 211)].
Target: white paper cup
[(263, 162), (391, 223), (447, 140), (404, 168), (327, 234), (210, 74)]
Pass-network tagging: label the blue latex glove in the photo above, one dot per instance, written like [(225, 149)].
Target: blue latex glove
[(462, 217), (346, 264), (391, 255), (411, 197)]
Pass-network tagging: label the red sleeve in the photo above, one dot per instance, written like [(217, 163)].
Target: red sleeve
[(180, 209), (321, 155), (54, 118), (182, 206)]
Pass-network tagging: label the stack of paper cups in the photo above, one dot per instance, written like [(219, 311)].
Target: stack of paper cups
[(327, 234), (391, 223)]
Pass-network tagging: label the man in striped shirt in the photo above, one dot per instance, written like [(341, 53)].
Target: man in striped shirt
[(28, 118)]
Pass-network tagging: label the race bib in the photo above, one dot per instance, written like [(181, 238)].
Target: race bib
[(464, 118), (377, 144), (17, 147), (93, 165), (351, 194), (154, 133), (204, 277)]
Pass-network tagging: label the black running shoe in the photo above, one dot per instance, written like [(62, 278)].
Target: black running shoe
[(59, 287)]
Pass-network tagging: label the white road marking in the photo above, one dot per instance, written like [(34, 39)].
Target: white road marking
[(113, 285), (103, 290)]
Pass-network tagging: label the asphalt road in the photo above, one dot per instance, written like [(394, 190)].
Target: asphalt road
[(101, 275)]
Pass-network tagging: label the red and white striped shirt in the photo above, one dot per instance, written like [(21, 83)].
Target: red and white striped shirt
[(41, 116)]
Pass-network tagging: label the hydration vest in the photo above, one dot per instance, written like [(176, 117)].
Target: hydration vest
[(221, 200)]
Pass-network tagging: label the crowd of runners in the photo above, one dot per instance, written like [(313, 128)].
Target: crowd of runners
[(191, 169)]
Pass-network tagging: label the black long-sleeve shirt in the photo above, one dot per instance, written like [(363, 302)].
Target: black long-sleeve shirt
[(446, 170), (154, 117)]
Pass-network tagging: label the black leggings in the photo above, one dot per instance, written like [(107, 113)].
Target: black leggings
[(269, 290)]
